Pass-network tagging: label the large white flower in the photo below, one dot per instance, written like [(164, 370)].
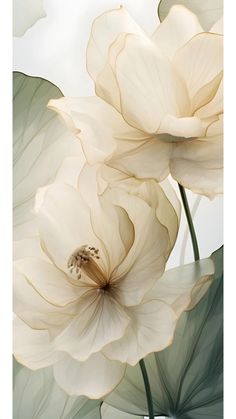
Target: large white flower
[(165, 93), (95, 298)]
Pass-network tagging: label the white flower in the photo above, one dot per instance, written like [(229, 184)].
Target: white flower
[(165, 93), (95, 298)]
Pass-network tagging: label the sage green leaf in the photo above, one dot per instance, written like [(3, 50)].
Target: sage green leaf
[(36, 395), (25, 14), (186, 378), (109, 412), (41, 142), (207, 11)]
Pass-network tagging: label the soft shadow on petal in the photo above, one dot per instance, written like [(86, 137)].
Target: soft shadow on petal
[(93, 378), (33, 348), (149, 85), (198, 164), (199, 62), (99, 320), (151, 329), (177, 28), (184, 286)]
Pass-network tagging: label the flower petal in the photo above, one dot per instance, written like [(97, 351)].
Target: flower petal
[(200, 62), (149, 86), (100, 320), (153, 153), (145, 261), (197, 164), (93, 378), (151, 329), (184, 286), (33, 348), (207, 11), (35, 311), (41, 142), (182, 127), (64, 223), (177, 28), (50, 282), (105, 30)]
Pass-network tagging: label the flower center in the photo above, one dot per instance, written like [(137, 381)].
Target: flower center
[(81, 257)]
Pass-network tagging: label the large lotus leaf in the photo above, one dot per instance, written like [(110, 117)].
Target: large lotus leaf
[(207, 11), (25, 14), (36, 395), (186, 378), (41, 142)]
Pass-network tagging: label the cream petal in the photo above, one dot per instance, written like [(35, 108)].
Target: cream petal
[(87, 118), (218, 26), (65, 224), (33, 348), (93, 378), (184, 286), (106, 28), (182, 127), (214, 106), (34, 310), (146, 259), (100, 320), (149, 86), (200, 62), (153, 153), (198, 164), (151, 329), (118, 239), (50, 282), (96, 124), (176, 29)]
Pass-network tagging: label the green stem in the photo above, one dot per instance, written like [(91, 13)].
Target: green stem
[(190, 222), (147, 389)]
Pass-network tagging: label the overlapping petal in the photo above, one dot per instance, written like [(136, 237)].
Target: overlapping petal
[(94, 378)]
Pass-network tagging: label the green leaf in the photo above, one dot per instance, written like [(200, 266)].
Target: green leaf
[(207, 11), (109, 412), (41, 142), (36, 395), (186, 378), (25, 14)]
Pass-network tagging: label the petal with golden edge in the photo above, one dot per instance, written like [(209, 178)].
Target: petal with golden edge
[(214, 106), (105, 29), (146, 259), (99, 320), (207, 11), (34, 310), (96, 124), (182, 127), (151, 330), (93, 378), (184, 286), (149, 86), (198, 164), (200, 63), (104, 213), (65, 224), (49, 281), (152, 154), (176, 29), (33, 348)]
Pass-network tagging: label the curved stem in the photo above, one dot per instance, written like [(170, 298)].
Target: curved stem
[(190, 222), (147, 389)]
